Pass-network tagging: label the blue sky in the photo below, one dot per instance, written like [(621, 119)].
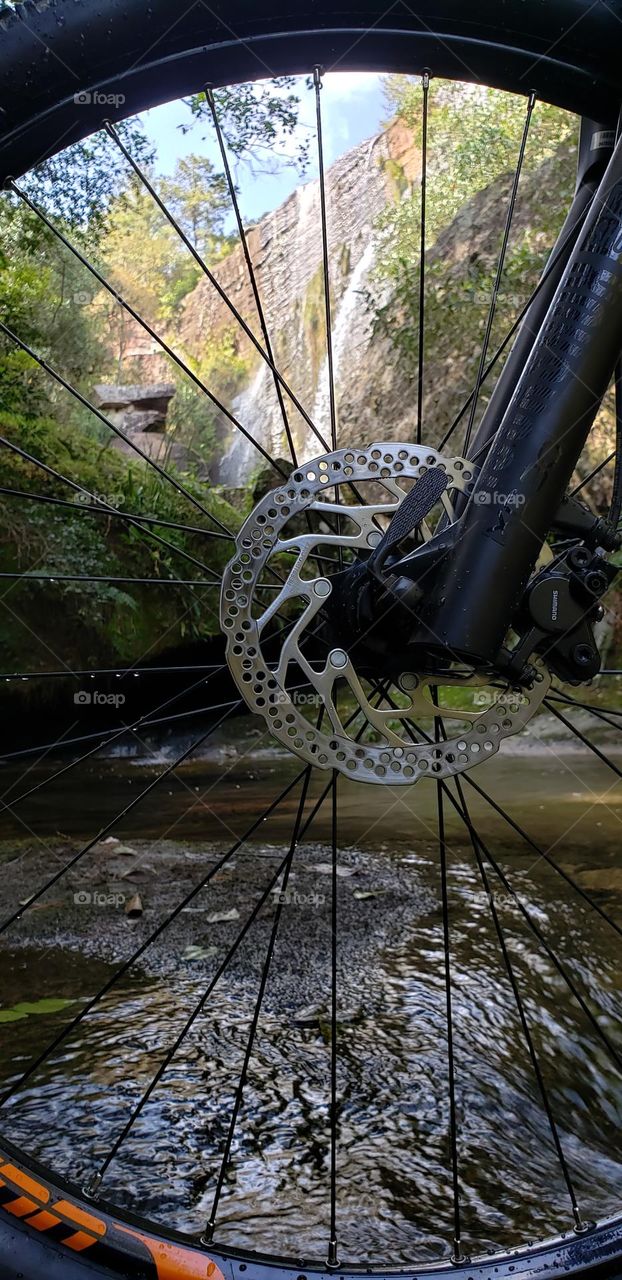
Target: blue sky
[(352, 109)]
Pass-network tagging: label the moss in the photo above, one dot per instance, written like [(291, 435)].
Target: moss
[(313, 322), (397, 181), (89, 623)]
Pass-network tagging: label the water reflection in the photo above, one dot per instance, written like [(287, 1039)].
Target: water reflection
[(393, 1165)]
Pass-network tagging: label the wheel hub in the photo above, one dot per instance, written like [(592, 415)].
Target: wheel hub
[(313, 652)]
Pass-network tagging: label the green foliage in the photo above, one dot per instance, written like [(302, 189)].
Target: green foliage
[(144, 257), (51, 303), (258, 121), (105, 621), (474, 136), (192, 418), (44, 299), (78, 185), (474, 140), (199, 199)]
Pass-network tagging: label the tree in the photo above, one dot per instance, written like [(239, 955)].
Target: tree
[(79, 185), (143, 253), (258, 121), (199, 199)]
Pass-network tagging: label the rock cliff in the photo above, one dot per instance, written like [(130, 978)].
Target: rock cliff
[(376, 391), (286, 249)]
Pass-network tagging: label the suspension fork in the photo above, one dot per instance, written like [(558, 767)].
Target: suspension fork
[(498, 538), (596, 143)]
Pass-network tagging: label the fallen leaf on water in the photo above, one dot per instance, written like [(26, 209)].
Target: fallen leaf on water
[(198, 953), (220, 917), (49, 1004), (26, 1007), (134, 908), (310, 1017)]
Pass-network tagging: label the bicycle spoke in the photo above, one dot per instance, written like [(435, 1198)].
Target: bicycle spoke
[(115, 513), (174, 1047), (120, 672), (235, 204), (157, 932), (602, 713), (546, 275), (463, 812), (317, 84), (18, 915), (499, 274), (425, 86), (580, 1226), (169, 351), (543, 853), (332, 1260), (101, 733), (264, 352), (284, 872), (515, 826), (87, 404), (457, 1256), (595, 472), (28, 576), (582, 738), (142, 721), (78, 488)]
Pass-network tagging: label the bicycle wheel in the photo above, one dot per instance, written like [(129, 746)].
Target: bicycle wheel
[(287, 624)]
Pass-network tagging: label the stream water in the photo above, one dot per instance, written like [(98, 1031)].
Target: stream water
[(393, 1165)]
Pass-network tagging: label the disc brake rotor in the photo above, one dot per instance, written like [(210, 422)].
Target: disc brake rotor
[(309, 523)]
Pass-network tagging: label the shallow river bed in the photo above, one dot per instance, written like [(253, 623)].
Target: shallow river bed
[(393, 1177)]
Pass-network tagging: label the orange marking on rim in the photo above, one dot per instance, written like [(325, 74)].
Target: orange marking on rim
[(79, 1240), (174, 1262), (80, 1217), (21, 1206), (23, 1180), (43, 1220)]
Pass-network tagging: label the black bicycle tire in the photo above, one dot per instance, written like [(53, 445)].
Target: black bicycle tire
[(51, 51), (567, 52)]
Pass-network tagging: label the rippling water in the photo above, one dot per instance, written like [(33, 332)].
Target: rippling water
[(394, 1191)]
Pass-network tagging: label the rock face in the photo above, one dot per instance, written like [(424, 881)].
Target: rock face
[(140, 412), (286, 250), (375, 366)]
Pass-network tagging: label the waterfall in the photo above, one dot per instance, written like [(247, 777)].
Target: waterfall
[(249, 407), (344, 325), (288, 253)]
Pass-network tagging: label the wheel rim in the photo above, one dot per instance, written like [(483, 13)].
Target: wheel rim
[(576, 1253)]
